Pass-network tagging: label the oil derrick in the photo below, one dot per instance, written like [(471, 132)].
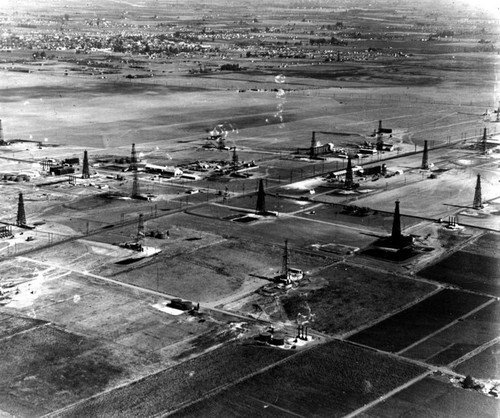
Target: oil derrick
[(235, 159), (396, 225), (261, 199), (285, 265), (484, 143), (380, 141), (314, 144), (348, 175), (140, 227), (425, 157), (478, 200), (133, 166), (21, 215), (85, 169), (379, 133)]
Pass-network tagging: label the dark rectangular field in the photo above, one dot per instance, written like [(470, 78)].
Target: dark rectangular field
[(487, 244), (409, 326), (467, 270), (330, 380), (459, 339), (434, 398), (167, 390)]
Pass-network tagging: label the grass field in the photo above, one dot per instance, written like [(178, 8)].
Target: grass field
[(412, 324), (332, 380), (348, 297), (46, 368), (12, 324)]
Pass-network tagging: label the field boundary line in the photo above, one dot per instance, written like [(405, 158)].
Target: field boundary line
[(226, 386), (474, 352), (8, 337), (454, 322), (390, 314), (388, 395), (439, 352)]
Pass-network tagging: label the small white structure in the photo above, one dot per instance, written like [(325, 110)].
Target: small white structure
[(191, 176)]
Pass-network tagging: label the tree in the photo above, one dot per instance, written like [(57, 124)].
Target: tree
[(468, 382)]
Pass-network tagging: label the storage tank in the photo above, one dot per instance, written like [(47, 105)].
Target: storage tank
[(278, 338)]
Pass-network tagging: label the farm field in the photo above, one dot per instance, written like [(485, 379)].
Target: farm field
[(483, 365), (434, 397), (409, 326), (458, 340), (332, 379), (475, 267), (169, 389)]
